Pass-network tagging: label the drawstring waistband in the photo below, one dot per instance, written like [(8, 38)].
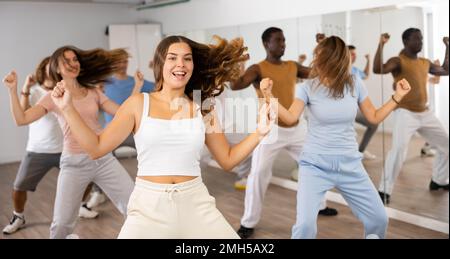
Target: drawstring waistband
[(170, 188), (171, 191)]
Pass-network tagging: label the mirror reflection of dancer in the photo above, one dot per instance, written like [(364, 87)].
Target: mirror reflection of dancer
[(330, 157), (371, 128), (413, 115)]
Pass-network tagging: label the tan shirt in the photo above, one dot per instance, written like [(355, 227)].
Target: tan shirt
[(416, 72), (284, 77)]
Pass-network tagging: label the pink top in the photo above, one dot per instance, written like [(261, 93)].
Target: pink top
[(88, 107)]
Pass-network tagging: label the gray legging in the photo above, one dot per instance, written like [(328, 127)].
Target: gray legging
[(371, 130)]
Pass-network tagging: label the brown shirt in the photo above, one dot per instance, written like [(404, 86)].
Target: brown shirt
[(416, 72), (284, 77)]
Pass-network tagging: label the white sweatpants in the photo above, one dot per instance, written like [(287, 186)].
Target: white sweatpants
[(263, 157), (176, 211), (406, 124)]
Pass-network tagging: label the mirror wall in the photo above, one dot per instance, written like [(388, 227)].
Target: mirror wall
[(411, 200)]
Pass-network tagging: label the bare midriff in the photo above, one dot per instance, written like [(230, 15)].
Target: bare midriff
[(173, 179)]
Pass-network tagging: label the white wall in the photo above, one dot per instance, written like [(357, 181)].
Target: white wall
[(140, 41), (31, 31), (205, 14), (441, 25), (335, 24)]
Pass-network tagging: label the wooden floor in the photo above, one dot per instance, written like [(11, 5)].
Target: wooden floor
[(411, 193), (277, 219)]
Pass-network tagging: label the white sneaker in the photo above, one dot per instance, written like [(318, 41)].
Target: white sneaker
[(15, 224), (427, 151), (96, 199), (87, 213), (369, 156), (72, 236), (241, 184)]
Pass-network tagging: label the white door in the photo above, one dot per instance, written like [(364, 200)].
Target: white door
[(140, 40)]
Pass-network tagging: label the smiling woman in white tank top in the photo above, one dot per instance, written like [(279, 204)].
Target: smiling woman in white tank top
[(170, 199)]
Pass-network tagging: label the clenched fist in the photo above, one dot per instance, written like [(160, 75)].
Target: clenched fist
[(10, 81), (61, 96)]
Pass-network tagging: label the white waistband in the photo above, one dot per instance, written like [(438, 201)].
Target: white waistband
[(159, 187)]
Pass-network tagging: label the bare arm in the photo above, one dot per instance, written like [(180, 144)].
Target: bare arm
[(392, 65), (138, 82), (302, 71), (375, 116), (228, 157), (110, 107), (435, 80), (250, 76), (20, 116), (111, 137), (441, 70), (291, 116), (25, 95), (367, 68), (302, 58), (25, 100)]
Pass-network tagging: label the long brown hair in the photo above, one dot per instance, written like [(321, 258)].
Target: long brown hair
[(41, 72), (332, 66), (96, 65), (214, 64)]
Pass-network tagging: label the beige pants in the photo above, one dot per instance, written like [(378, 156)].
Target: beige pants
[(179, 211)]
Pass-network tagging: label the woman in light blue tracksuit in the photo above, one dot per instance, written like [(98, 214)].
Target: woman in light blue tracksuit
[(330, 157)]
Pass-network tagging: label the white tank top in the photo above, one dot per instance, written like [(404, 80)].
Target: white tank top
[(169, 147)]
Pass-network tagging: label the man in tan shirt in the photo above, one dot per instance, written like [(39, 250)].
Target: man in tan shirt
[(413, 114), (284, 75)]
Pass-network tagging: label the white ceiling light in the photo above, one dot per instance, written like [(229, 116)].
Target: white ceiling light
[(158, 3), (119, 1)]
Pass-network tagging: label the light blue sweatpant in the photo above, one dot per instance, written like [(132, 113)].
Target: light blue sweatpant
[(320, 173)]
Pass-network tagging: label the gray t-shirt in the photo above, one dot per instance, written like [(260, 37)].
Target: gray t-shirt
[(331, 121)]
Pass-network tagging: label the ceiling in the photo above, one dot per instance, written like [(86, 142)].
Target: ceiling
[(127, 2)]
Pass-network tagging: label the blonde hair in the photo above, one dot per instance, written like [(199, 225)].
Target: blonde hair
[(332, 66)]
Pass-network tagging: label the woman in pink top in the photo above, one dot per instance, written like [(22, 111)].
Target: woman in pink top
[(170, 200), (82, 71)]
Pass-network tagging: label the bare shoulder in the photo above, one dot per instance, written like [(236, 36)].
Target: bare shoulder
[(134, 102), (255, 72), (395, 60)]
